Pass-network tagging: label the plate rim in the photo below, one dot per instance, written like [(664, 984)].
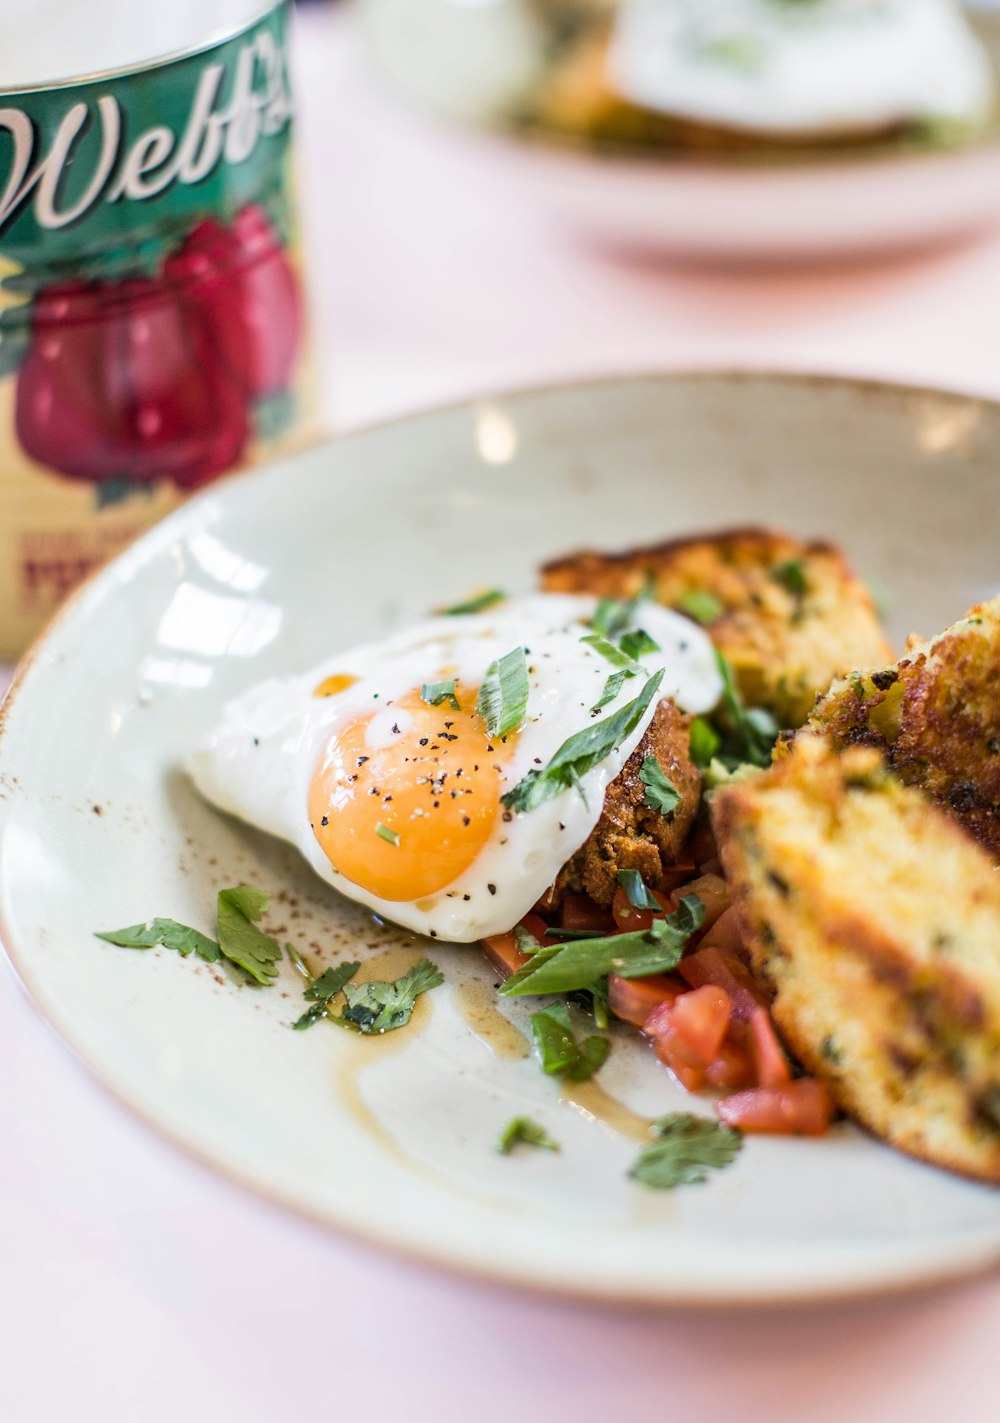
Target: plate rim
[(967, 1262)]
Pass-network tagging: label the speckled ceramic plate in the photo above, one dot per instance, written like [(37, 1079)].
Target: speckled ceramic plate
[(391, 1140)]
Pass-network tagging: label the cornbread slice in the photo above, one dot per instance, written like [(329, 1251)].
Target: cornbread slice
[(630, 834), (789, 616), (875, 920), (935, 716)]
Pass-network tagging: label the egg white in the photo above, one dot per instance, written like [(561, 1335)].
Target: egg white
[(259, 761), (828, 66)]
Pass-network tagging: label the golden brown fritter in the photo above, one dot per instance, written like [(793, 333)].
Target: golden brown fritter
[(935, 716), (875, 921), (630, 835), (789, 616)]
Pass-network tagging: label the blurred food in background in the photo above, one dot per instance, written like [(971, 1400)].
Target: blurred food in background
[(152, 312), (776, 130), (749, 77)]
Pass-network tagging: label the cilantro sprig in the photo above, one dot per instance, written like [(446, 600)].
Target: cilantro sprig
[(581, 753), (523, 1129), (660, 793), (321, 991), (685, 1150), (378, 1007), (239, 941)]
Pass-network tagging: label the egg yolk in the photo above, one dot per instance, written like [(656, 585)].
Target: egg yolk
[(404, 812)]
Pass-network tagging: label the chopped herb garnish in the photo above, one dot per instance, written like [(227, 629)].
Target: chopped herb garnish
[(754, 729), (581, 752), (634, 644), (611, 653), (701, 605), (476, 604), (704, 741), (322, 991), (611, 689), (566, 967), (685, 1150), (391, 837), (637, 891), (558, 1050), (503, 695), (241, 942), (168, 933), (612, 615), (523, 1129), (378, 1007), (660, 793), (525, 940), (791, 576), (434, 693)]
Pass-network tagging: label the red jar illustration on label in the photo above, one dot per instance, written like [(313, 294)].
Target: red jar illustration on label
[(152, 317)]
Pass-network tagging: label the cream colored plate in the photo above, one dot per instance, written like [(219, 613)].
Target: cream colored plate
[(391, 1140)]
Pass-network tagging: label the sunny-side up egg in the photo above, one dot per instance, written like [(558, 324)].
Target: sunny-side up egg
[(398, 802), (803, 68)]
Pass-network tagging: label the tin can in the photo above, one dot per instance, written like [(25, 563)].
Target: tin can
[(152, 312)]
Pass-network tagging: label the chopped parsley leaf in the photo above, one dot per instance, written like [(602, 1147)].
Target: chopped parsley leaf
[(503, 695), (166, 932), (322, 991), (523, 1129), (377, 1007), (685, 1150), (240, 941), (791, 576), (660, 794), (702, 606), (558, 1050), (434, 693), (391, 837), (581, 752)]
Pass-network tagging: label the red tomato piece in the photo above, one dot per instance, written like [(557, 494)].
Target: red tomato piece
[(801, 1108), (728, 971), (634, 999), (632, 920), (731, 1069), (701, 1018), (502, 950), (770, 1064), (725, 934), (675, 1054), (580, 912)]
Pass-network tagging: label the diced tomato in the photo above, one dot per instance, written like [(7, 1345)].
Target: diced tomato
[(675, 1053), (731, 1069), (713, 892), (770, 1064), (633, 999), (502, 950), (580, 912), (725, 970), (628, 919), (701, 1018), (725, 933), (801, 1108)]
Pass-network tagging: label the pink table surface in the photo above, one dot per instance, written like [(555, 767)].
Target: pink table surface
[(134, 1285)]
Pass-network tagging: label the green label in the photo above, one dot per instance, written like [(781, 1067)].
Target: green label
[(99, 178)]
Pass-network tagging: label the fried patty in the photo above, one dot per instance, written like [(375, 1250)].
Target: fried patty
[(935, 716), (875, 921), (631, 835), (789, 616)]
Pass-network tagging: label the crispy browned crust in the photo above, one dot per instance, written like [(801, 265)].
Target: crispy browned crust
[(630, 835), (786, 637), (885, 966), (935, 716)]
